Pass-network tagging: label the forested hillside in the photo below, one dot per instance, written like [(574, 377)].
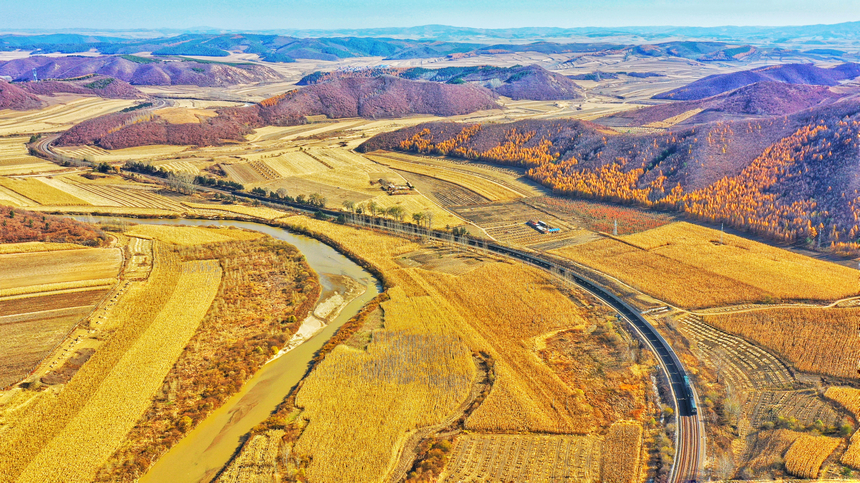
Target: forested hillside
[(792, 179)]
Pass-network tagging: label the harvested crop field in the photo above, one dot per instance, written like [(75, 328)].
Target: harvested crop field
[(487, 188), (70, 110), (125, 392), (191, 235), (686, 265), (15, 159), (828, 336), (430, 303), (524, 458), (42, 193), (27, 269), (29, 337)]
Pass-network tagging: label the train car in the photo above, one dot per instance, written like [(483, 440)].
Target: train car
[(691, 398)]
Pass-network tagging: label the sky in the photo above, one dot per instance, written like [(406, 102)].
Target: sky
[(335, 14)]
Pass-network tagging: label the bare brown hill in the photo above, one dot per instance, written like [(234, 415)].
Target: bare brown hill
[(517, 82), (101, 86), (380, 97), (762, 99), (15, 98), (788, 73), (140, 70)]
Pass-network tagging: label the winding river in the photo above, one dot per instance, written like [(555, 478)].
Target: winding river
[(203, 452)]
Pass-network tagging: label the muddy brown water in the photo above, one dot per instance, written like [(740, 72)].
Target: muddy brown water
[(203, 452)]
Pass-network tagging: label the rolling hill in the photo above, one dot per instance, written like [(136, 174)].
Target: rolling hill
[(139, 70), (376, 97), (15, 98), (807, 74), (519, 82), (762, 99), (101, 86)]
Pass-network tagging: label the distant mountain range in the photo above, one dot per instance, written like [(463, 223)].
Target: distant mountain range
[(754, 34), (138, 70), (704, 44)]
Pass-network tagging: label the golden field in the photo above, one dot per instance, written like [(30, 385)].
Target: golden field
[(125, 392), (807, 453), (190, 235), (488, 189), (38, 268), (828, 336), (37, 428), (65, 112), (469, 312), (40, 192), (685, 265)]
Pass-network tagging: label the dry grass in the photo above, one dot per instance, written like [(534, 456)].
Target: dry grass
[(488, 189), (524, 458), (686, 265), (256, 211), (807, 453), (42, 193), (182, 115), (29, 247), (56, 287), (74, 455), (419, 203), (827, 336), (191, 235), (19, 270), (621, 453)]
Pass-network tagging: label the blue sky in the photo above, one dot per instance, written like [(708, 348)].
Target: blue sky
[(324, 14)]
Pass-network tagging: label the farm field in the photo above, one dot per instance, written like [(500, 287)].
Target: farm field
[(522, 458), (65, 113), (686, 265), (99, 155), (807, 453), (191, 235), (459, 303), (15, 159), (828, 336), (127, 388), (489, 189), (40, 192), (20, 270)]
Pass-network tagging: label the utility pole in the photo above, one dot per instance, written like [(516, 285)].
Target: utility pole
[(615, 228)]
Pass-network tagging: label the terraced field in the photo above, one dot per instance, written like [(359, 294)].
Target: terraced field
[(523, 458), (43, 296), (744, 365)]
